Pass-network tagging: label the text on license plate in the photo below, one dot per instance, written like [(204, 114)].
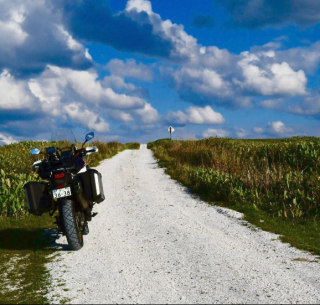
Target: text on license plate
[(64, 192)]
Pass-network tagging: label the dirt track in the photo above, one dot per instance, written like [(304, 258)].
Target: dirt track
[(153, 242)]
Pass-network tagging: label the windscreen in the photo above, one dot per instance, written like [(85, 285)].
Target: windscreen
[(64, 137)]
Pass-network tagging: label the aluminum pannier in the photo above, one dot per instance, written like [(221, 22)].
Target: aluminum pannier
[(92, 185)]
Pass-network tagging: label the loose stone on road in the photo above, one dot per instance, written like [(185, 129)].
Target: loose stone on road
[(152, 242)]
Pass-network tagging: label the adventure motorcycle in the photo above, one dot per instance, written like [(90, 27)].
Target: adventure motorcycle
[(68, 185)]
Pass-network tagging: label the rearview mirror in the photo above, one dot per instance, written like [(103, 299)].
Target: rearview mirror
[(35, 151), (90, 136)]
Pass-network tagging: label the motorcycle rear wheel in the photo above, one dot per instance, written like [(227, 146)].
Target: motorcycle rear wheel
[(72, 224)]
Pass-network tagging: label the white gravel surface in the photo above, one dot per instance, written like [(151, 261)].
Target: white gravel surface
[(153, 242)]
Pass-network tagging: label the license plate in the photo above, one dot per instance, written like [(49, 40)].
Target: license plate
[(64, 192)]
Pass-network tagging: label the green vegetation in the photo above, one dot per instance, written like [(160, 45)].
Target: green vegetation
[(16, 169), (107, 150), (24, 249), (276, 181)]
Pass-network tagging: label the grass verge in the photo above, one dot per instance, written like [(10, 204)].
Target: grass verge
[(24, 251), (302, 233), (107, 150)]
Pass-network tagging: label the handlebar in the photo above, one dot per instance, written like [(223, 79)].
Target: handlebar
[(80, 152), (87, 150), (91, 150)]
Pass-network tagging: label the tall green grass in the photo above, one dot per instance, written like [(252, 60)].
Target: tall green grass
[(280, 177), (107, 150), (275, 183), (16, 169)]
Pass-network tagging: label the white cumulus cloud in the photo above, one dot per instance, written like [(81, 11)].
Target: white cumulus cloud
[(196, 115), (270, 79), (258, 130), (15, 94), (139, 5), (12, 33), (89, 88), (211, 132), (32, 36), (309, 105), (129, 68), (183, 46), (78, 113), (148, 114), (5, 140), (306, 58), (279, 129), (120, 115)]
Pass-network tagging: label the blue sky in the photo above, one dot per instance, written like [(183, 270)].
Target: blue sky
[(129, 69)]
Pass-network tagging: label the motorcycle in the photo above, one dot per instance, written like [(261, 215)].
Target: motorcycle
[(68, 186)]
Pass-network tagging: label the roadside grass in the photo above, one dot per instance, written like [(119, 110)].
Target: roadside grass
[(185, 162), (301, 234), (24, 248), (24, 251), (107, 150), (132, 145), (16, 170)]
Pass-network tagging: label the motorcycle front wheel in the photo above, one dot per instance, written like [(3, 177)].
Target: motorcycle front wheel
[(72, 224)]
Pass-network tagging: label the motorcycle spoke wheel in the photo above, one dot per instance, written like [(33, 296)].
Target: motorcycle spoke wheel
[(72, 225)]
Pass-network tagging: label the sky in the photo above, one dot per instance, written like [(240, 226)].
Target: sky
[(129, 69)]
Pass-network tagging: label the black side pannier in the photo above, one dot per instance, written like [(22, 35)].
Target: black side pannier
[(92, 185), (38, 198)]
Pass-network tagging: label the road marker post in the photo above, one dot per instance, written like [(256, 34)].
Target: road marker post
[(171, 130)]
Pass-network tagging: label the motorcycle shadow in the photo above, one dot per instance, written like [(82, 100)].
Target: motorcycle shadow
[(23, 239), (53, 236)]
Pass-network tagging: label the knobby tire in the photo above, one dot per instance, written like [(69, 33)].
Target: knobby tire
[(71, 225)]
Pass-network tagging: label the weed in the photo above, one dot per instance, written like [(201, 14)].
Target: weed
[(24, 250), (275, 180)]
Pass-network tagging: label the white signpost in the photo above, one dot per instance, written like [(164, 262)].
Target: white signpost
[(171, 130)]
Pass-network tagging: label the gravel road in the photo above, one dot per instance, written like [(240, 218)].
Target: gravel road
[(153, 242)]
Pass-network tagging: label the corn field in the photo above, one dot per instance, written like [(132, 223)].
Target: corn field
[(280, 177), (16, 169)]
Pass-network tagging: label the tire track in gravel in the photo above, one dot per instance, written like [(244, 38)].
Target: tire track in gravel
[(154, 243)]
